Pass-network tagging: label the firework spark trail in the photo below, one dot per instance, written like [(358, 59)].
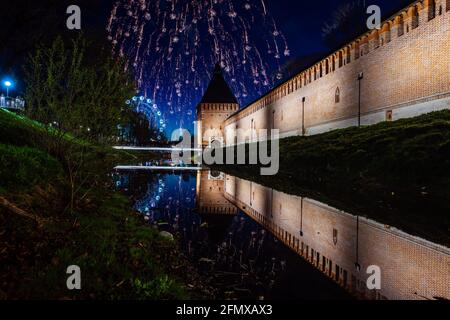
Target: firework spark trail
[(172, 46)]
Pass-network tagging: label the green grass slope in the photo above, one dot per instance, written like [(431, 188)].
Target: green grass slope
[(120, 256), (396, 172)]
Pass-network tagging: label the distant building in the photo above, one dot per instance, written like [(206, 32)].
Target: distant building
[(14, 104)]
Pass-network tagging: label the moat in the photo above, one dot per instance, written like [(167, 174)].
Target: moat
[(250, 241)]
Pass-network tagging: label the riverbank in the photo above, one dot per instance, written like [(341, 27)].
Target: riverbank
[(120, 256), (393, 172)]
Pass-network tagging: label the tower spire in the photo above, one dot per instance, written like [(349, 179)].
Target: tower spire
[(217, 69), (218, 90)]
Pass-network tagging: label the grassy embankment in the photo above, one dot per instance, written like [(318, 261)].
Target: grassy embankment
[(397, 173), (120, 257)]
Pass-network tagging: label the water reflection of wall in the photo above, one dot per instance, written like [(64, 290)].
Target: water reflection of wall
[(244, 260), (342, 246), (210, 194)]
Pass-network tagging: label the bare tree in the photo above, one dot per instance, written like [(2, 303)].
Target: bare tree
[(77, 93)]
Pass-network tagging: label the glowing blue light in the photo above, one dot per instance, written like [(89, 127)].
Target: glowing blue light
[(149, 101), (128, 102), (159, 113), (134, 98), (7, 83), (141, 98)]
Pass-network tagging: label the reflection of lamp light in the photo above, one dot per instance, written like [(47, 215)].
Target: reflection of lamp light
[(301, 218), (357, 265)]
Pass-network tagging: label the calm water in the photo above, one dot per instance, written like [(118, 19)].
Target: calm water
[(252, 241)]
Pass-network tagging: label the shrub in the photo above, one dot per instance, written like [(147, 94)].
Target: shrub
[(23, 167)]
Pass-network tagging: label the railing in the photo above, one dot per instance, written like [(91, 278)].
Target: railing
[(16, 103)]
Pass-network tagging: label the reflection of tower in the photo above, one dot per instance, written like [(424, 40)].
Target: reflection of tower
[(210, 194), (212, 206), (218, 103)]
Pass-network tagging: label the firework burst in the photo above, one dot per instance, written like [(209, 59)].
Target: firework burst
[(173, 45)]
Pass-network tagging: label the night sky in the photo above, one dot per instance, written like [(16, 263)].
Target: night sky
[(273, 41), (297, 30)]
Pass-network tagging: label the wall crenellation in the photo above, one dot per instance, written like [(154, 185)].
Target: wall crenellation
[(416, 15)]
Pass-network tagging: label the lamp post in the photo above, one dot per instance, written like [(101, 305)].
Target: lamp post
[(7, 84), (360, 77), (303, 116)]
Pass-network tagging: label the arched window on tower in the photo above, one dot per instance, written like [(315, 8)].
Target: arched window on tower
[(327, 66), (340, 59), (337, 95)]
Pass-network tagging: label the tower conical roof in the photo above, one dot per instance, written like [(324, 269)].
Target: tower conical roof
[(218, 90)]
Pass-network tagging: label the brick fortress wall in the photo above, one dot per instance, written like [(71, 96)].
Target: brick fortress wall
[(406, 72)]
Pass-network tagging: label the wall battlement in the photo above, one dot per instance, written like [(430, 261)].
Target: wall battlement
[(405, 72)]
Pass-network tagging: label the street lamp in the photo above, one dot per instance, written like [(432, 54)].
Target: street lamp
[(7, 84), (360, 77), (303, 116)]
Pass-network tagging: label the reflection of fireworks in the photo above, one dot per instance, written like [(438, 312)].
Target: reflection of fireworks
[(172, 46)]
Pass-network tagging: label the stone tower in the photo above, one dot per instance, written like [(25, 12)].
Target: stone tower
[(217, 104)]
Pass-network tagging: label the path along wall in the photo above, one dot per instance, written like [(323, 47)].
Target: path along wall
[(406, 72)]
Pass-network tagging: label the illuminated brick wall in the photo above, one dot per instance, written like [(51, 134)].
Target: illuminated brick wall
[(406, 72)]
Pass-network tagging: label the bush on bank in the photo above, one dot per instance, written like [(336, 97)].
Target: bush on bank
[(120, 257)]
